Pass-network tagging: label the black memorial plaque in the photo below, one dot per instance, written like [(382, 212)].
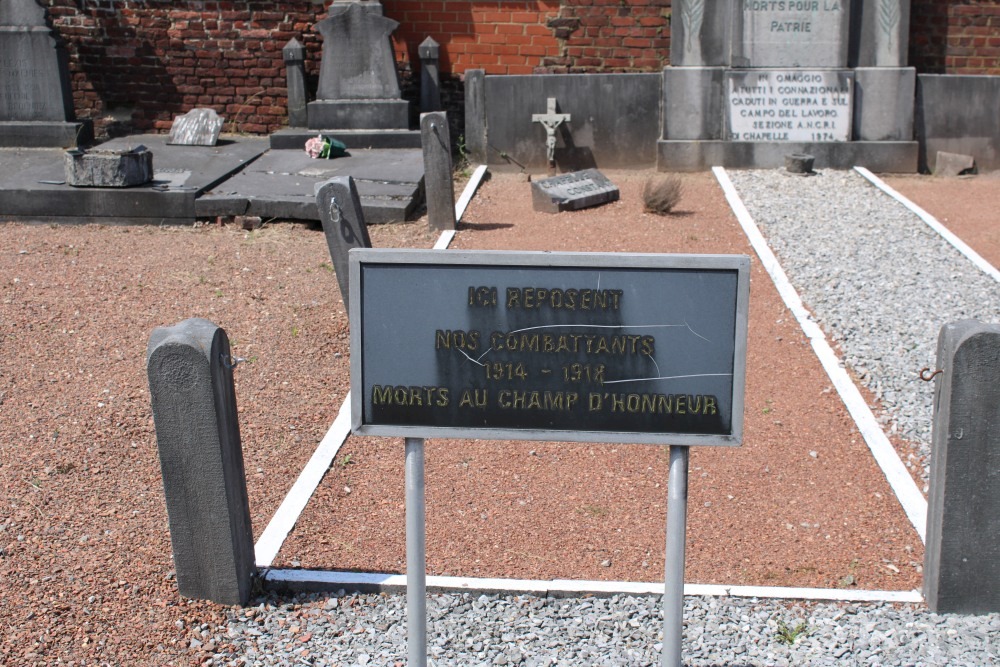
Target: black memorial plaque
[(549, 346)]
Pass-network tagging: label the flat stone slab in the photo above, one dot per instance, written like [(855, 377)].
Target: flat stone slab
[(572, 191), (294, 138), (281, 184), (33, 184)]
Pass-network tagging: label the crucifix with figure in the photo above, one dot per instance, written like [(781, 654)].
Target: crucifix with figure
[(551, 121)]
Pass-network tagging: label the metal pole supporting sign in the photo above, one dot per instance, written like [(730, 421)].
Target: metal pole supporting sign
[(673, 592), (416, 566)]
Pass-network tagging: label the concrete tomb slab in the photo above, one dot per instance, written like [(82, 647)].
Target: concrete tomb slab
[(198, 127), (282, 184), (953, 164), (33, 183), (572, 191)]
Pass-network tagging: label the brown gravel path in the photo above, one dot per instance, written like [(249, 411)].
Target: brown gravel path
[(968, 205)]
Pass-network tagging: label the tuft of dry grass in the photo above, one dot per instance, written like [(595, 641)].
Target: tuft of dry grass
[(662, 193)]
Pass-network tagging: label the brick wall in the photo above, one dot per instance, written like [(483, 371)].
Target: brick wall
[(136, 64), (955, 36), (538, 36)]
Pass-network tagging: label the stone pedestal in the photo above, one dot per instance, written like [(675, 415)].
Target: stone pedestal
[(751, 74), (36, 105), (359, 114)]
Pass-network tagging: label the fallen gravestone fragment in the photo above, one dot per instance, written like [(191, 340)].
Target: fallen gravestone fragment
[(109, 168), (954, 164), (573, 191), (198, 127)]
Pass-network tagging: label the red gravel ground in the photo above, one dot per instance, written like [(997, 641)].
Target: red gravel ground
[(85, 565)]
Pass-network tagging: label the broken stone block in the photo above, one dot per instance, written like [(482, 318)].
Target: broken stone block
[(98, 168)]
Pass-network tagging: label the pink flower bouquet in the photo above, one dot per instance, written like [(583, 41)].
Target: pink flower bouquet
[(325, 148)]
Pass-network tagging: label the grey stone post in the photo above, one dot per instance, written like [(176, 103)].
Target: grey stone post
[(430, 76), (962, 556), (201, 459), (344, 226), (294, 55), (438, 184), (475, 115)]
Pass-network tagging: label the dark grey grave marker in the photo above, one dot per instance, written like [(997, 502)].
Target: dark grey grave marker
[(962, 556), (201, 458), (294, 55), (438, 181), (430, 76), (198, 127), (343, 225), (573, 191)]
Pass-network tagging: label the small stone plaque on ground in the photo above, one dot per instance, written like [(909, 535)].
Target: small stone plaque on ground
[(790, 105), (573, 191), (198, 127)]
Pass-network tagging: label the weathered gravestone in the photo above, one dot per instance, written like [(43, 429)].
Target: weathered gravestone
[(201, 458), (36, 104), (438, 180), (573, 191), (358, 82), (430, 75), (294, 55), (343, 225), (962, 558), (198, 127)]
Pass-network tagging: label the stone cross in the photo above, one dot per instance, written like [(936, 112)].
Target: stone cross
[(551, 121)]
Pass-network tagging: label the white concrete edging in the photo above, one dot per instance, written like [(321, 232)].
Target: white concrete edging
[(326, 580), (913, 502)]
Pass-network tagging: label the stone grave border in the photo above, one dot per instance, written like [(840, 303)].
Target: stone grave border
[(269, 543)]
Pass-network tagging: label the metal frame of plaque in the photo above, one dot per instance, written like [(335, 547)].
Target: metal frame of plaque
[(654, 341)]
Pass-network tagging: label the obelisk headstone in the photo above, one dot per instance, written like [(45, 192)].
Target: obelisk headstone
[(358, 83), (36, 105)]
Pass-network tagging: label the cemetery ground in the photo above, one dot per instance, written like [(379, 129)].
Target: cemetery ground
[(84, 546)]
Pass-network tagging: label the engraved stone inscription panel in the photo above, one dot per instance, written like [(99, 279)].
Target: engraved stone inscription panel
[(790, 105), (795, 33)]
